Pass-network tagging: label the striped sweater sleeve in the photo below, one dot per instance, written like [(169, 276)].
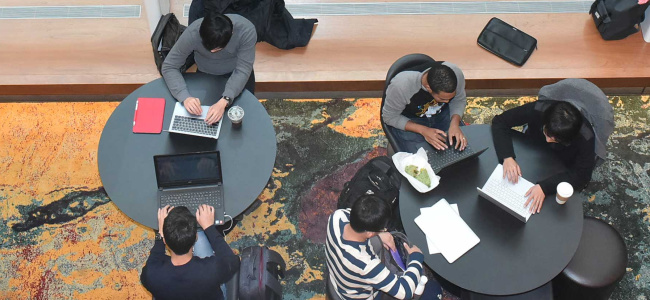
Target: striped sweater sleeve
[(400, 287)]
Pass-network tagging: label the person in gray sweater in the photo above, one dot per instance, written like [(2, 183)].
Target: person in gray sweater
[(221, 45), (423, 106)]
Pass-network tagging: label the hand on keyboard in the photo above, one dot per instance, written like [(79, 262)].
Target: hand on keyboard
[(193, 106), (162, 214), (511, 170), (205, 216), (536, 196), (215, 113), (435, 137), (456, 134)]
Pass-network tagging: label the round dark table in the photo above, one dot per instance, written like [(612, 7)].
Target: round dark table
[(512, 257), (125, 159)]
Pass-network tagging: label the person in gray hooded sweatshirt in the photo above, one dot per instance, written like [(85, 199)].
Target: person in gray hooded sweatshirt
[(575, 118)]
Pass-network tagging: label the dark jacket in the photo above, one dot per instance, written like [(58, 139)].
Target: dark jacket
[(273, 22), (200, 278), (579, 156)]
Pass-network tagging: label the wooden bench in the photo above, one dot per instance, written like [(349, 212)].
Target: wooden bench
[(346, 53)]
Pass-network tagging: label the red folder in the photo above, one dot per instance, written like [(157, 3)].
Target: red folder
[(149, 113)]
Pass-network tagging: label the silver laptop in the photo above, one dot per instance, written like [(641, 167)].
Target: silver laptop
[(506, 195), (186, 123), (190, 180)]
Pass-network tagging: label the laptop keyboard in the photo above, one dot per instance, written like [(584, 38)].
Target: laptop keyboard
[(499, 190), (440, 159), (192, 200), (193, 125)]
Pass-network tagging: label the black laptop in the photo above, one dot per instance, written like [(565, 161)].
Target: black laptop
[(441, 159), (189, 180)]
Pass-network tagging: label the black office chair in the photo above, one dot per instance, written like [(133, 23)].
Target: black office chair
[(544, 292), (404, 63), (596, 267)]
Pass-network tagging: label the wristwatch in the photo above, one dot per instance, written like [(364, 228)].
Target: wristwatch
[(158, 236), (229, 100)]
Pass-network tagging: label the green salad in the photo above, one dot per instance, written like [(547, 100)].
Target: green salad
[(420, 174)]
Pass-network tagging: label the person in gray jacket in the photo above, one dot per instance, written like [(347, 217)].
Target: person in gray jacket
[(426, 106), (221, 45)]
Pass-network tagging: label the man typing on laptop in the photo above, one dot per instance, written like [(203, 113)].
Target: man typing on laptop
[(199, 263), (422, 106), (221, 45), (575, 118)]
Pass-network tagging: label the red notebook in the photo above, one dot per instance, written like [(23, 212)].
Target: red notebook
[(148, 117)]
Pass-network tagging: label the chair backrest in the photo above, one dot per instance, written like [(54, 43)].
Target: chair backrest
[(404, 63)]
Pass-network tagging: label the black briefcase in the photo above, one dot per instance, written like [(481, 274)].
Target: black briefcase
[(507, 42)]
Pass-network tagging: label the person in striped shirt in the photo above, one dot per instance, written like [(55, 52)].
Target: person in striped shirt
[(355, 269)]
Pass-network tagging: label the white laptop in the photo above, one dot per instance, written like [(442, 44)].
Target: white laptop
[(506, 195), (186, 123)]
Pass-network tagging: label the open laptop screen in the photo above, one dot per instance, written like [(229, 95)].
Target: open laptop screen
[(188, 169)]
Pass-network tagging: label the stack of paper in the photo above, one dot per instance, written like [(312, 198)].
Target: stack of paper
[(446, 231)]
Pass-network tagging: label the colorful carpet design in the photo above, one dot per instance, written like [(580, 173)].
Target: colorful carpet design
[(61, 237)]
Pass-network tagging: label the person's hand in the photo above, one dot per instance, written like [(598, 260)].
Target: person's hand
[(456, 133), (162, 214), (410, 250), (205, 216), (435, 137), (536, 198), (511, 170), (388, 240), (193, 106), (216, 111)]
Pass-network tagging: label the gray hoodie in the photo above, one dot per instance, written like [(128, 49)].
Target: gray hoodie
[(406, 84)]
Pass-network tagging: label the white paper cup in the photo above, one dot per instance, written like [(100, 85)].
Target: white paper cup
[(564, 192)]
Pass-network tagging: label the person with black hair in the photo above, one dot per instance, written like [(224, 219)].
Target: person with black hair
[(563, 128), (355, 270), (424, 106), (194, 270), (221, 45)]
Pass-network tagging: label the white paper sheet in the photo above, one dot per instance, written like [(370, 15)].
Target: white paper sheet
[(447, 230), (432, 247)]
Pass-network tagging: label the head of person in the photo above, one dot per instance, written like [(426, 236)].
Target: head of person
[(215, 31), (369, 215), (179, 230), (441, 82), (562, 122)]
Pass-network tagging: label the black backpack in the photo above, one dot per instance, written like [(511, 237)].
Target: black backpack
[(163, 39), (379, 177), (616, 19), (259, 274)]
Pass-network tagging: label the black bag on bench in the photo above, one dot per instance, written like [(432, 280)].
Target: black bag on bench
[(163, 39), (616, 19), (507, 42)]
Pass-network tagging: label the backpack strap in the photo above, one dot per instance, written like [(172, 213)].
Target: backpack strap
[(273, 260), (402, 236)]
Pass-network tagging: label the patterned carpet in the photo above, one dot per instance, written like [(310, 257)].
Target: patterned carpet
[(62, 237)]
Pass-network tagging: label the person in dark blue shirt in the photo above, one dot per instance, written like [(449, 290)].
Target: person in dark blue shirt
[(189, 273)]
